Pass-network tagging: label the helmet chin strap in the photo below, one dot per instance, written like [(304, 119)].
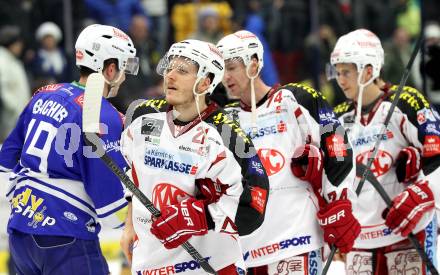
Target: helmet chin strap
[(114, 84), (253, 99), (360, 96), (196, 96)]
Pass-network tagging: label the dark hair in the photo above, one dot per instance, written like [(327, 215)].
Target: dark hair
[(9, 34), (86, 71)]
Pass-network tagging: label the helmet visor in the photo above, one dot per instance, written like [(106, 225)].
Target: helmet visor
[(180, 64), (330, 71), (132, 66)]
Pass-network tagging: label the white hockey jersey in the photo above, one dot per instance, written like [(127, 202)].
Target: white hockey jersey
[(288, 117), (167, 159), (413, 123)]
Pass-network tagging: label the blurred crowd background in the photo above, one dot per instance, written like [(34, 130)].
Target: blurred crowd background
[(37, 40)]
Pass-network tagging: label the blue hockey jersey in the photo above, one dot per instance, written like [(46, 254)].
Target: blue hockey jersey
[(58, 185)]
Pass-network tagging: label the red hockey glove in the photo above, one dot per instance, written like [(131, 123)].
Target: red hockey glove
[(408, 164), (307, 165), (340, 227), (210, 192), (179, 222), (409, 207)]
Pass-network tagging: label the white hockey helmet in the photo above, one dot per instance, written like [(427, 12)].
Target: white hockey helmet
[(97, 43), (242, 44), (361, 47), (206, 55)]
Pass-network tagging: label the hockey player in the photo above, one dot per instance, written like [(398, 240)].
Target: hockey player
[(303, 150), (411, 142), (197, 166), (60, 191)]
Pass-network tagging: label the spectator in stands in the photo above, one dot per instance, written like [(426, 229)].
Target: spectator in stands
[(184, 16), (398, 51), (136, 87), (432, 67), (14, 85), (116, 13), (255, 23), (208, 27), (158, 14), (50, 62)]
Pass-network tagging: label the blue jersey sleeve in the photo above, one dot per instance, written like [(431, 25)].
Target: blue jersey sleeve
[(11, 148)]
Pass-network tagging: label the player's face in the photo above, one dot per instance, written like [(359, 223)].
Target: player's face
[(235, 79), (347, 76), (179, 79)]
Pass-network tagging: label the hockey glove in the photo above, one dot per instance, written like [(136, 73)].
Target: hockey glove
[(210, 192), (340, 227), (408, 208), (408, 164), (179, 222), (307, 165)]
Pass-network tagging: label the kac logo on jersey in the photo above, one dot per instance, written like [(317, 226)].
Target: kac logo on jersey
[(381, 164), (272, 160), (167, 194)]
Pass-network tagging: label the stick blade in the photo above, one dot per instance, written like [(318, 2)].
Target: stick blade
[(92, 102)]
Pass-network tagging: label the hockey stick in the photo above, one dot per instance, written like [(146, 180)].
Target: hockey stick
[(91, 117), (382, 131), (390, 112), (360, 171)]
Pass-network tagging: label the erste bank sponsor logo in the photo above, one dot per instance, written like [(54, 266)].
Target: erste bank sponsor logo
[(430, 241), (161, 159), (273, 248), (172, 269), (372, 138), (266, 128)]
